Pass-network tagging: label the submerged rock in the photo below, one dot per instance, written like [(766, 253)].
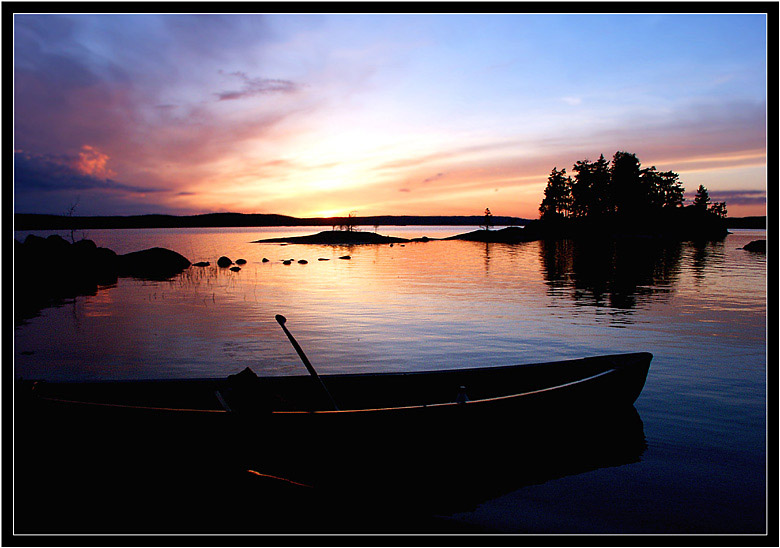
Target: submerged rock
[(235, 268), (345, 257), (202, 263), (224, 262), (240, 261), (303, 261)]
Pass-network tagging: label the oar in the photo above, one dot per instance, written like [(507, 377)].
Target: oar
[(282, 320)]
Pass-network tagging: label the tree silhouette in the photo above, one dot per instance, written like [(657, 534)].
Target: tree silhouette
[(719, 209), (488, 222), (557, 200), (601, 188), (622, 195), (663, 189), (702, 199), (625, 184), (583, 193)]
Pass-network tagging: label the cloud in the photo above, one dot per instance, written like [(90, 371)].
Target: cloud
[(93, 162), (257, 86), (87, 171), (573, 101), (434, 178), (739, 197)]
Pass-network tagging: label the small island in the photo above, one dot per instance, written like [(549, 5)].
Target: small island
[(623, 199), (336, 237)]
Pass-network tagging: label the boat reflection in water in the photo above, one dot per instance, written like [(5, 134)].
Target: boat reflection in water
[(90, 466)]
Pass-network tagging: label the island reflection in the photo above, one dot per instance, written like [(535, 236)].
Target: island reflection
[(620, 274)]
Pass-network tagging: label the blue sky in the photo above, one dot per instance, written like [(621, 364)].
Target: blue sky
[(380, 114)]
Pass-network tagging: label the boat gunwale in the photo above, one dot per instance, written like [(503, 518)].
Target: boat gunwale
[(449, 404), (610, 360)]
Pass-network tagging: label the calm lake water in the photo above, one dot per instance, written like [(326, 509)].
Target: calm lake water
[(699, 308)]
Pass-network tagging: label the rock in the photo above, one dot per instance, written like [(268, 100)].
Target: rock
[(241, 261), (79, 269), (303, 261), (345, 257), (322, 259), (286, 262), (202, 263), (235, 268), (265, 260), (758, 246), (224, 262), (84, 247), (156, 263), (56, 242)]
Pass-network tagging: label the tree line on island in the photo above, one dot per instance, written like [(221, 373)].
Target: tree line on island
[(622, 188), (623, 198)]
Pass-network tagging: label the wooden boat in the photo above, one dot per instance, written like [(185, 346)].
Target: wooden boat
[(563, 386), (419, 443)]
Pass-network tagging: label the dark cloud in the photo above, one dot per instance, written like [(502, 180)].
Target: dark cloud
[(42, 173), (257, 86), (739, 197)]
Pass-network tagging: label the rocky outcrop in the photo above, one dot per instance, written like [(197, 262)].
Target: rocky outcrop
[(511, 234), (47, 271), (336, 237)]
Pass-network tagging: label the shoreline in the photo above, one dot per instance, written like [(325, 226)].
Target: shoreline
[(32, 221)]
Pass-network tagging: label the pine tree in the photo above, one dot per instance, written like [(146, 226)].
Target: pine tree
[(702, 199), (557, 200)]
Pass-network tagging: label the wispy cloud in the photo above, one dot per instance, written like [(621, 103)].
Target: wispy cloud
[(434, 178), (256, 86), (739, 197)]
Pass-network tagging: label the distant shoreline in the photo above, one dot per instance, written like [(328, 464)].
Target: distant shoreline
[(31, 221)]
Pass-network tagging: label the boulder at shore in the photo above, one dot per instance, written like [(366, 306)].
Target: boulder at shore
[(156, 263), (757, 246), (48, 270)]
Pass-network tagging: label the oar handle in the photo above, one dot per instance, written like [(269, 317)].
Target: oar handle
[(282, 320)]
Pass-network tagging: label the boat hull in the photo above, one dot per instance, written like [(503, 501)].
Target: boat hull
[(201, 468)]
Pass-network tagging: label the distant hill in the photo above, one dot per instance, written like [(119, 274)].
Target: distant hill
[(29, 221), (746, 222)]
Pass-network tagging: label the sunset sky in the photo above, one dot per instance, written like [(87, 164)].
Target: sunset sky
[(320, 115)]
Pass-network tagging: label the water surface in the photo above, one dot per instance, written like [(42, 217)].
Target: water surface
[(699, 308)]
